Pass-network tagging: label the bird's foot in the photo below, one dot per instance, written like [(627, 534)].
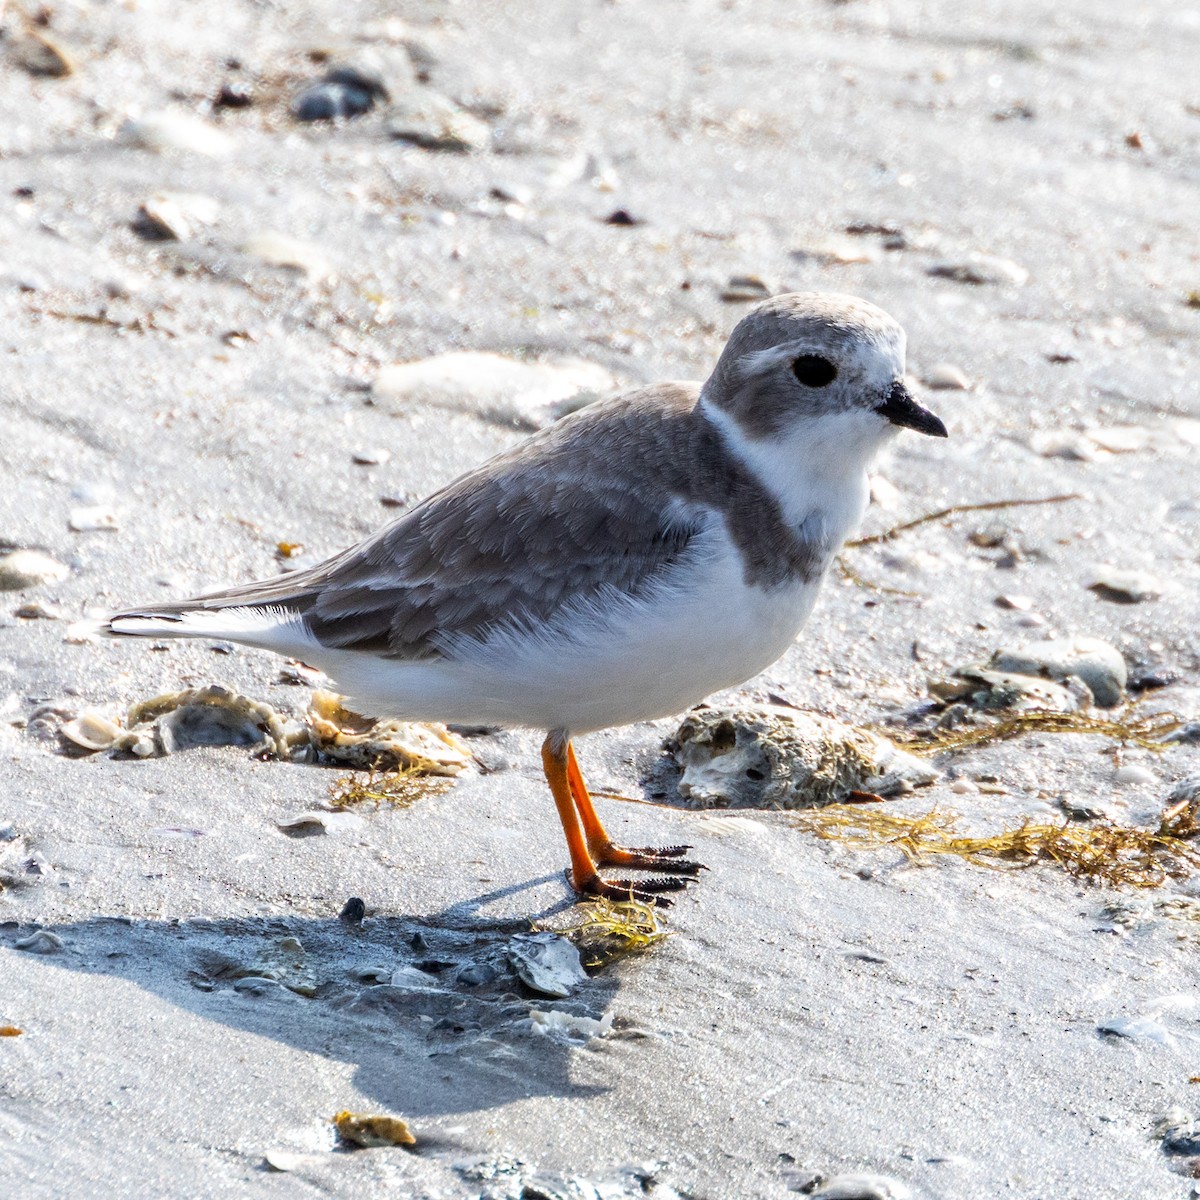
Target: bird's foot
[(646, 858), (648, 891)]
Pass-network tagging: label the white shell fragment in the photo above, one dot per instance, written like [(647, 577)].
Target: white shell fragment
[(432, 121), (863, 1187), (551, 1021), (1009, 690), (94, 731), (174, 216), (319, 821), (20, 569), (345, 737), (775, 757), (1133, 774), (1096, 662), (982, 269), (40, 941), (174, 129), (290, 254), (1138, 1028), (945, 377), (1125, 587), (546, 963), (524, 395), (92, 519)]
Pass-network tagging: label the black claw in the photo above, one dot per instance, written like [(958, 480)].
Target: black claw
[(660, 851)]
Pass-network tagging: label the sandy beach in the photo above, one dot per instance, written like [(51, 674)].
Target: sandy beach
[(204, 297)]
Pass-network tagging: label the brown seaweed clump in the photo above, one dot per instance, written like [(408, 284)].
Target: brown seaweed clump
[(608, 930), (1101, 852)]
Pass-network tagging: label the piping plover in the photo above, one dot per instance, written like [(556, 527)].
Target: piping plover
[(617, 567)]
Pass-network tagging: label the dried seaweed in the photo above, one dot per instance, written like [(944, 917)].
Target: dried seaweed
[(609, 930), (1096, 853), (990, 506), (397, 788), (1128, 727)]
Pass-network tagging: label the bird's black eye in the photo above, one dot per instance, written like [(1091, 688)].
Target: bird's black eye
[(814, 371)]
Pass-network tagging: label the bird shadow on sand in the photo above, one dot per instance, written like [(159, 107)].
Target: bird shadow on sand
[(430, 1009)]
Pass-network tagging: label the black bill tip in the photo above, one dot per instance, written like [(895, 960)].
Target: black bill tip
[(901, 409)]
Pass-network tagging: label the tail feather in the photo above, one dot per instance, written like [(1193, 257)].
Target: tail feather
[(268, 626)]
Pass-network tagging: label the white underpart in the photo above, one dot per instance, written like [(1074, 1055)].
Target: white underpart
[(606, 662)]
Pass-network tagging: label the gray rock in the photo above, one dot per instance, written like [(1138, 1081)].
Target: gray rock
[(330, 99), (1096, 662)]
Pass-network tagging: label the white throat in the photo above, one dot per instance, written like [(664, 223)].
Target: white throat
[(817, 470)]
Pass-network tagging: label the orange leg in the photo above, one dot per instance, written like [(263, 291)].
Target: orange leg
[(556, 758), (604, 851)]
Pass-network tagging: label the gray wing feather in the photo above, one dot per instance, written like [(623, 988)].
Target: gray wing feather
[(589, 506)]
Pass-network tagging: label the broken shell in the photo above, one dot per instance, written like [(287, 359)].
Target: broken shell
[(40, 941), (276, 250), (987, 689), (550, 1021), (945, 377), (1125, 587), (1096, 662), (92, 520), (862, 1187), (547, 963), (173, 129), (370, 1131), (524, 395), (38, 55), (774, 757), (982, 269), (1133, 773), (22, 569), (92, 731), (211, 716), (317, 821), (347, 737), (745, 289), (433, 122)]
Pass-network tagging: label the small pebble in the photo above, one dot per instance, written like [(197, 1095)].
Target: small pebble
[(330, 100), (22, 569), (371, 458), (173, 216), (1019, 603), (945, 377), (622, 216), (964, 787), (1125, 587), (353, 911), (234, 93)]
